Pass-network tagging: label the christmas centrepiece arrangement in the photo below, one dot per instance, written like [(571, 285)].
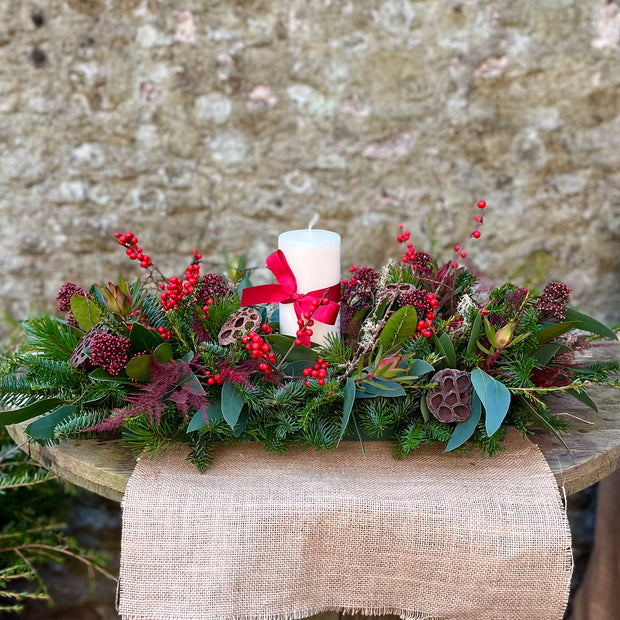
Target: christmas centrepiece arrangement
[(415, 353)]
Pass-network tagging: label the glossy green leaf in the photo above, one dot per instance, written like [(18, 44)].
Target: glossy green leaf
[(281, 344), (85, 312), (464, 430), (543, 422), (554, 331), (144, 340), (588, 324), (163, 353), (347, 406), (99, 374), (446, 348), (474, 335), (139, 368), (232, 403), (295, 369), (43, 428), (546, 352), (584, 398), (495, 398), (31, 410), (399, 327)]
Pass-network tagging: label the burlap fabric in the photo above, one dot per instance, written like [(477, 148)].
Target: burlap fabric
[(287, 536)]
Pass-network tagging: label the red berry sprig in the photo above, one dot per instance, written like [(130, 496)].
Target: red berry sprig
[(425, 325), (460, 249), (318, 371), (305, 322), (176, 289), (212, 379), (260, 350), (134, 251)]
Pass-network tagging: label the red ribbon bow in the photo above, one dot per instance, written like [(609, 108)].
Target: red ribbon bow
[(285, 292)]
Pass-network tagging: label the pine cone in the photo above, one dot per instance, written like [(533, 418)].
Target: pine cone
[(450, 401), (79, 359), (241, 323)]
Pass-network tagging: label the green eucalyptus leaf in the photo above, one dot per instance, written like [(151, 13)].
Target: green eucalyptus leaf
[(31, 410), (464, 430), (379, 387), (419, 368), (242, 422), (43, 428), (347, 406), (198, 420), (214, 411), (494, 396), (232, 403), (588, 324), (399, 328), (139, 368)]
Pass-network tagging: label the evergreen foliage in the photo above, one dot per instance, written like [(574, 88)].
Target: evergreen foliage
[(31, 530), (401, 326)]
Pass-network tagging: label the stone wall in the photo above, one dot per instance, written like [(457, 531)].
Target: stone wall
[(219, 124)]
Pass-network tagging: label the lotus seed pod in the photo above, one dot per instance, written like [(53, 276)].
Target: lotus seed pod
[(450, 401), (239, 323)]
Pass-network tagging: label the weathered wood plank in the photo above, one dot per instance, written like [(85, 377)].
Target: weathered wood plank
[(104, 467)]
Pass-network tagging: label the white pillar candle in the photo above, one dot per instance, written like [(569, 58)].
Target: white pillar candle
[(314, 259)]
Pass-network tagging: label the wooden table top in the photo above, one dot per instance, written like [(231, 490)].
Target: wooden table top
[(104, 467)]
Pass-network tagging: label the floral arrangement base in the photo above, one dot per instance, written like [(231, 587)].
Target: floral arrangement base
[(264, 536)]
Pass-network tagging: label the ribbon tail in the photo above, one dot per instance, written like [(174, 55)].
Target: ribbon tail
[(264, 294)]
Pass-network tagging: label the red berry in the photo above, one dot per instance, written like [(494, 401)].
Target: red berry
[(463, 254), (482, 204), (476, 234), (457, 248)]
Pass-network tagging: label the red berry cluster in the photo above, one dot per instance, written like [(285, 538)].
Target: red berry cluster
[(318, 371), (260, 350), (176, 289), (165, 333), (404, 236), (134, 251), (110, 352), (305, 322), (425, 326), (460, 249), (212, 379)]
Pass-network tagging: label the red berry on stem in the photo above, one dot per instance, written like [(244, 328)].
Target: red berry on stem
[(482, 204)]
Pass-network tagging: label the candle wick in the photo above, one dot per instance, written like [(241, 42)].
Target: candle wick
[(313, 221)]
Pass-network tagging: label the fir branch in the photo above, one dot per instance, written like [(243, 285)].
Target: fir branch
[(50, 338)]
